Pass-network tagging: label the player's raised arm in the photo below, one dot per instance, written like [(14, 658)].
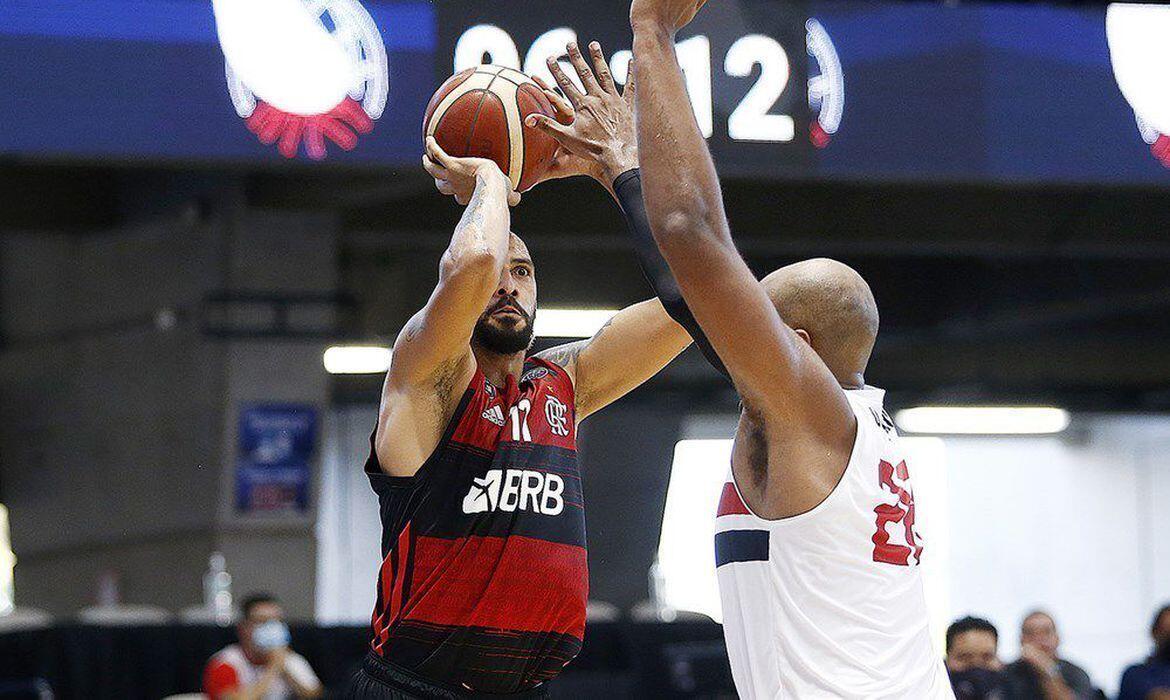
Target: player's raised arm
[(432, 355), (468, 273), (775, 371), (630, 348)]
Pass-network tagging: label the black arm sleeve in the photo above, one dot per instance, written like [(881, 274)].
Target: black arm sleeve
[(628, 189)]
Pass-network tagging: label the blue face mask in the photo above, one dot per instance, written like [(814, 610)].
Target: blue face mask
[(270, 635)]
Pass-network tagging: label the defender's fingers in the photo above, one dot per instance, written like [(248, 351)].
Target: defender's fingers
[(513, 198), (444, 187), (601, 68), (564, 110), (583, 70), (571, 92)]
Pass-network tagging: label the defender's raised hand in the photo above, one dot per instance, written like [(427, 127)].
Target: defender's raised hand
[(667, 15), (595, 128), (457, 176)]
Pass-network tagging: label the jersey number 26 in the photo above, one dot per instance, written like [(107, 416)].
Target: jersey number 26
[(891, 515)]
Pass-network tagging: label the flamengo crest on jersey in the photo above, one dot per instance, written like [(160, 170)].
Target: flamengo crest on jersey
[(555, 412)]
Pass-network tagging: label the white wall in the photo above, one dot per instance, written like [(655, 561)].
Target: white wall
[(1070, 524), (348, 527)]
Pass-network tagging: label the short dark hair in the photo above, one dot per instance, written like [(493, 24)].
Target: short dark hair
[(1164, 610), (256, 599), (969, 624)]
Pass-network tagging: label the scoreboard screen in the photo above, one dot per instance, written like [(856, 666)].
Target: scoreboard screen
[(828, 89), (746, 66)]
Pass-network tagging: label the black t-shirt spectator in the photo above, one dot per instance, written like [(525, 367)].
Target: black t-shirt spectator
[(1026, 681)]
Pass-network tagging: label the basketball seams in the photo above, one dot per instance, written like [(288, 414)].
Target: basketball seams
[(515, 132), (504, 138), (478, 109), (456, 93), (438, 121)]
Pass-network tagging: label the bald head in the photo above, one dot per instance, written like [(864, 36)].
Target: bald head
[(517, 246), (830, 302)]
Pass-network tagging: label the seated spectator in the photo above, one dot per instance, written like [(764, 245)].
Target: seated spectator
[(973, 662), (261, 666), (1040, 672), (1151, 680)]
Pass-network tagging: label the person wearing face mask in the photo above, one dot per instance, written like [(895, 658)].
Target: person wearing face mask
[(973, 662), (261, 666), (1040, 672), (1151, 680)]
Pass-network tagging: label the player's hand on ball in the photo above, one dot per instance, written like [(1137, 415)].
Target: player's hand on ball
[(457, 177), (595, 128), (670, 15)]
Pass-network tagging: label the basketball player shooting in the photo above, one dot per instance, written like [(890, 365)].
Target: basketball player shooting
[(816, 552), (484, 583)]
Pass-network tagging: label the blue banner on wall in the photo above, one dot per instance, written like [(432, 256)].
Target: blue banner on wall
[(274, 458)]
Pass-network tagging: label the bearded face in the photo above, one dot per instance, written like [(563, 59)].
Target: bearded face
[(506, 325), (505, 328)]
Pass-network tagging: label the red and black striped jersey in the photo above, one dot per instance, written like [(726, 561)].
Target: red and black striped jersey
[(484, 580)]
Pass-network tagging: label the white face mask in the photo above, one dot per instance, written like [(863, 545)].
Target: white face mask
[(270, 635)]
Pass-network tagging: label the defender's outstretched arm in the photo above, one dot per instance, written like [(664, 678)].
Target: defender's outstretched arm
[(595, 129), (775, 372), (630, 348)]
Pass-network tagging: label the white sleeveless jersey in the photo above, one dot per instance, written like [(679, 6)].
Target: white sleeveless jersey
[(829, 604)]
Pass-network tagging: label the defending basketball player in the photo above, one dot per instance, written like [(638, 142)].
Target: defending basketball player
[(484, 582), (816, 550)]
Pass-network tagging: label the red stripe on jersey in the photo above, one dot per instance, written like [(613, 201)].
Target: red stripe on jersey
[(513, 583), (402, 548), (391, 577), (381, 622), (730, 503)]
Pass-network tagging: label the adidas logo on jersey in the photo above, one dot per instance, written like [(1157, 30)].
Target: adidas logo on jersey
[(495, 414), (516, 489)]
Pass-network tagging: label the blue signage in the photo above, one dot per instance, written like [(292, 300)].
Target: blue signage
[(273, 461)]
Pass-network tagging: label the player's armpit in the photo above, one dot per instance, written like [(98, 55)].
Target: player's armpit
[(630, 348)]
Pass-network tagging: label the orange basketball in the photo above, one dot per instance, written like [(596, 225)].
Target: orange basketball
[(480, 112)]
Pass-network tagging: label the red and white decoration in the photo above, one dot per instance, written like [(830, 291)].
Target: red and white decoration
[(303, 71)]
